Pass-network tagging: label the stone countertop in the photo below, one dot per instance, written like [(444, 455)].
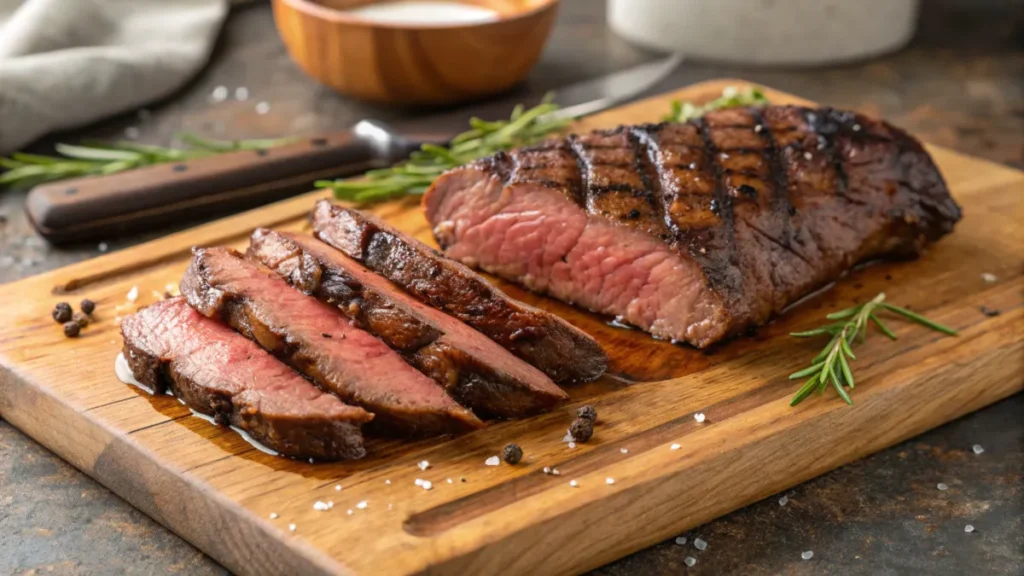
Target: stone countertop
[(959, 84)]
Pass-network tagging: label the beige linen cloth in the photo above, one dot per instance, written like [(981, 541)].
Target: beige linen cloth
[(66, 63)]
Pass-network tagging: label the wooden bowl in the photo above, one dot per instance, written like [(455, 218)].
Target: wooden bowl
[(414, 63)]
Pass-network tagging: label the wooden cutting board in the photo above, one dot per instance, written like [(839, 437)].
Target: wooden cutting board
[(211, 487)]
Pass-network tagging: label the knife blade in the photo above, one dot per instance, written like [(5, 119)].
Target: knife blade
[(103, 207)]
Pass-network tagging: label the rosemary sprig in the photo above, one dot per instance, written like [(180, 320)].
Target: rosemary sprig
[(524, 127), (93, 158), (832, 366), (731, 97)]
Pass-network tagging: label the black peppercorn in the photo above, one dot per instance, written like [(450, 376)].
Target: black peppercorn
[(581, 429), (71, 329), (587, 413), (81, 319), (88, 306), (62, 312), (512, 453)]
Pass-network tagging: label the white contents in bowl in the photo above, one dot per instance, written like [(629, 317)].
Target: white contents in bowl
[(412, 12)]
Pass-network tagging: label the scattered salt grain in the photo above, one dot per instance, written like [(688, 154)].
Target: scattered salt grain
[(273, 515), (492, 461), (102, 247), (699, 417), (133, 294), (361, 505), (131, 132), (989, 277), (448, 480), (546, 470), (610, 480), (969, 528), (624, 450), (387, 482), (942, 486), (321, 506), (690, 561), (700, 544), (292, 527), (977, 449), (337, 487), (241, 93), (220, 94), (808, 156), (681, 540), (674, 447), (572, 445), (349, 512), (783, 501), (555, 472), (568, 438), (574, 483), (856, 127), (419, 482), (807, 555), (262, 108), (758, 128), (427, 484), (424, 465)]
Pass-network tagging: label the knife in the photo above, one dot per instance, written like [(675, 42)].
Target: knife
[(102, 207)]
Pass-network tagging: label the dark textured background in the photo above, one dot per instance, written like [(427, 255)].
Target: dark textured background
[(959, 84)]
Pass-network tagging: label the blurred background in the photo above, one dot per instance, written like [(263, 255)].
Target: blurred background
[(949, 71)]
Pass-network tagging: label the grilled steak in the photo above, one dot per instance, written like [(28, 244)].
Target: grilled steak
[(217, 372), (695, 231), (473, 369), (317, 341), (560, 350)]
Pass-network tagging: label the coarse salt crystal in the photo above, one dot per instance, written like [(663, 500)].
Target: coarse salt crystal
[(758, 128), (690, 561), (546, 470), (387, 482), (807, 555), (273, 515), (448, 480), (989, 277), (361, 505), (808, 156), (424, 465), (969, 528), (427, 484), (319, 505), (337, 487), (102, 246), (610, 480), (942, 486), (856, 127), (220, 94), (699, 417), (700, 544), (492, 461), (555, 472), (262, 108), (783, 501), (674, 447), (572, 444), (624, 450), (133, 294), (977, 449), (292, 527), (241, 93), (349, 512), (419, 482), (681, 540), (574, 483)]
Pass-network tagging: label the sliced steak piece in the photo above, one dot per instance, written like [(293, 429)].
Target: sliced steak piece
[(316, 340), (472, 368), (563, 352), (217, 372), (695, 231)]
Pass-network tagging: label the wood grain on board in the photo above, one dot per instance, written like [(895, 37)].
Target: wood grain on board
[(217, 491)]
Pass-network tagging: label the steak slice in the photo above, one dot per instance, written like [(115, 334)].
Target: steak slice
[(473, 369), (317, 341), (217, 372), (695, 231), (563, 352)]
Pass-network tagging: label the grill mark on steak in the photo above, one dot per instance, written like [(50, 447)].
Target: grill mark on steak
[(471, 368), (218, 372), (359, 368), (558, 349), (797, 202)]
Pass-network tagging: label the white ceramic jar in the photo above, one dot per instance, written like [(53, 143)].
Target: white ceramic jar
[(767, 31)]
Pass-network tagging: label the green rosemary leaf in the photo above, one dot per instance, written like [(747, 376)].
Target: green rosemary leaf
[(842, 393), (803, 392), (806, 371), (731, 97), (847, 373), (90, 153), (844, 313), (846, 348), (881, 326), (920, 319), (33, 158)]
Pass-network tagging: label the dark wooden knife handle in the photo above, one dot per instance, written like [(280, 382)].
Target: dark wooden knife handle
[(101, 207)]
